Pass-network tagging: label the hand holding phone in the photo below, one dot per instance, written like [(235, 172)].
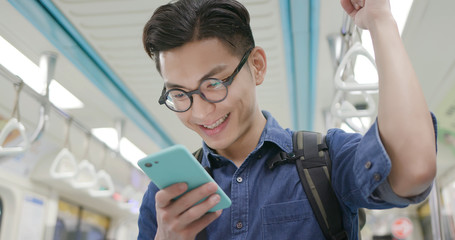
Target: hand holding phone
[(176, 164)]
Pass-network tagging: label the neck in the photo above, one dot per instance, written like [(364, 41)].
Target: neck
[(246, 143)]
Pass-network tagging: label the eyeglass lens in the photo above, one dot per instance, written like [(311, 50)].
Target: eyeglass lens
[(212, 90)]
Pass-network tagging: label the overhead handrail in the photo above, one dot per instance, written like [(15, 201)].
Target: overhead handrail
[(349, 84), (64, 165), (15, 79), (86, 174), (12, 125)]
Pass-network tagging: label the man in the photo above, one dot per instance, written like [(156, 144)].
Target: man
[(205, 52)]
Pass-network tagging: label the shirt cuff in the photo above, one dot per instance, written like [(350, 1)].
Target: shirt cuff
[(385, 192)]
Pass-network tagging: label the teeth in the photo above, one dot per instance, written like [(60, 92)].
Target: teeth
[(217, 123)]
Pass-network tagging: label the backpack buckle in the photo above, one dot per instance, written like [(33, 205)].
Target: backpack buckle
[(280, 159)]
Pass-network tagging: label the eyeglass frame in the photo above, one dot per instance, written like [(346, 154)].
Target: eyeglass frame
[(226, 82)]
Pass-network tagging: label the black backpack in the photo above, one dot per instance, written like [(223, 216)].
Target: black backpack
[(311, 156)]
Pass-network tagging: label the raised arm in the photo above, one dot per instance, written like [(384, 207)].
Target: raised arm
[(404, 121)]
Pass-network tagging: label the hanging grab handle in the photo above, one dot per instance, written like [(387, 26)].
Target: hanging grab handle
[(355, 50), (14, 124), (64, 165), (11, 125), (104, 186), (85, 176), (47, 68), (343, 109)]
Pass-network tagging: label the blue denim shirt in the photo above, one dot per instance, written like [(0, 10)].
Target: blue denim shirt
[(271, 204)]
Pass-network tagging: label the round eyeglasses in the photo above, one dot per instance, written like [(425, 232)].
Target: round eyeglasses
[(212, 90)]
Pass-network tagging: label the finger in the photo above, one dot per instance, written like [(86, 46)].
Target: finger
[(347, 6), (357, 4), (205, 220), (192, 197), (163, 197), (200, 209)]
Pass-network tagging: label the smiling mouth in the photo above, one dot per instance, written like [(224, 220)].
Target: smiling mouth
[(217, 123)]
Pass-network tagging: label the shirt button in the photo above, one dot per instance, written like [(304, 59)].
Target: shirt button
[(239, 179), (377, 177), (259, 156), (368, 165), (239, 225)]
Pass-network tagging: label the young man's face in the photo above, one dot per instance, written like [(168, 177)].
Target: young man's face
[(224, 123)]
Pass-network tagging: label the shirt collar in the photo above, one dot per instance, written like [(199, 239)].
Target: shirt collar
[(272, 132)]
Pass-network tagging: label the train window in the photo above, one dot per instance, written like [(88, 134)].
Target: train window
[(74, 222), (67, 221), (93, 226)]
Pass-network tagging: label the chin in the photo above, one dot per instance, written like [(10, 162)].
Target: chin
[(217, 144)]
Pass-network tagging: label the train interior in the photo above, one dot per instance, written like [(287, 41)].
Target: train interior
[(78, 106)]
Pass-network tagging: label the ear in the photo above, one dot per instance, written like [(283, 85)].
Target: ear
[(258, 64)]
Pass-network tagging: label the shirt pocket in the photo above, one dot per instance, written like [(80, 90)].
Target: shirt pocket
[(289, 220)]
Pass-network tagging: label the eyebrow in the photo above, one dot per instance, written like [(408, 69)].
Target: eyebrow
[(215, 70)]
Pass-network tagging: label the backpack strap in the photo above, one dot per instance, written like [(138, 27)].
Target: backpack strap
[(313, 164), (314, 168), (199, 154)]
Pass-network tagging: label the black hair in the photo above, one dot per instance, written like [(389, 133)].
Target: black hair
[(174, 24)]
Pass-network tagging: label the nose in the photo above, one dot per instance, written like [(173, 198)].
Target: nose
[(201, 108)]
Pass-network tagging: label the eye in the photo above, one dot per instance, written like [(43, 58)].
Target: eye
[(177, 95), (214, 84)]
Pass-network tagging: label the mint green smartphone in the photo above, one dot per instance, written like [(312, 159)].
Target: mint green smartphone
[(176, 164)]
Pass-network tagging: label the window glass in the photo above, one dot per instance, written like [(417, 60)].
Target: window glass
[(77, 223), (93, 226), (67, 220)]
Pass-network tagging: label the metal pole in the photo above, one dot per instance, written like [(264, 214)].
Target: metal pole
[(47, 70), (120, 127), (347, 28), (435, 212)]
